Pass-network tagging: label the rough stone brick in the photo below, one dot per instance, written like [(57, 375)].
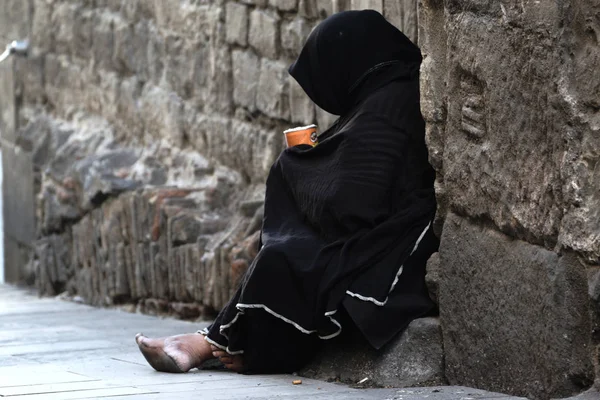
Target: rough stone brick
[(413, 358), (514, 315), (258, 3), (325, 7), (30, 76), (82, 33), (63, 17), (103, 40), (163, 114), (340, 5), (308, 8), (131, 44), (14, 20), (302, 109), (246, 72), (294, 34), (180, 64), (200, 56), (41, 26), (156, 55), (284, 5), (220, 85), (128, 111), (403, 14), (376, 5), (272, 96), (237, 23), (264, 33)]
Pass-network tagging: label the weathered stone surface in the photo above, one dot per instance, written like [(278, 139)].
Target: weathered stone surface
[(414, 358), (41, 25), (264, 33), (284, 5), (523, 170), (63, 17), (527, 173), (308, 8), (246, 72), (258, 3), (432, 278), (376, 5), (54, 269), (220, 85), (237, 23), (272, 95), (180, 70), (302, 109), (294, 34), (403, 14), (163, 111), (503, 303)]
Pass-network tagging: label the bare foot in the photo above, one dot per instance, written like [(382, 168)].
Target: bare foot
[(178, 353), (231, 362)]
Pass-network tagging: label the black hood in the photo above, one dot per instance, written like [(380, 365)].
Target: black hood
[(349, 55)]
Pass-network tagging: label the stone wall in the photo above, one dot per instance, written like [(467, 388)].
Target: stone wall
[(149, 128), (511, 99)]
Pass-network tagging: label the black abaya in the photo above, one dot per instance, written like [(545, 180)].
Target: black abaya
[(348, 222)]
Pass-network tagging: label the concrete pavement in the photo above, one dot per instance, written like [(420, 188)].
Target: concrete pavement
[(52, 349)]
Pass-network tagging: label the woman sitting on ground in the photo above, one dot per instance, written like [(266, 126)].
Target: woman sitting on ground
[(347, 226)]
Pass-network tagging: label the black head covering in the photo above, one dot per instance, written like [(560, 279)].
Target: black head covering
[(345, 51)]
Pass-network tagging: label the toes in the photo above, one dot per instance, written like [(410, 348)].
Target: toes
[(226, 359), (140, 339)]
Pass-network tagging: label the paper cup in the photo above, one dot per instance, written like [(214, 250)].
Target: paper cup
[(301, 135)]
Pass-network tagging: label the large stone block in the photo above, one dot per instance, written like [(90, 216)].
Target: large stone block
[(528, 172), (501, 162), (246, 72), (414, 358), (264, 33), (514, 316), (272, 96), (237, 23)]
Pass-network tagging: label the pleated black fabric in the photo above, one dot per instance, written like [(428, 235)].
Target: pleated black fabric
[(347, 223)]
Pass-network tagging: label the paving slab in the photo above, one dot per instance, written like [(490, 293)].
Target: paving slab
[(52, 349)]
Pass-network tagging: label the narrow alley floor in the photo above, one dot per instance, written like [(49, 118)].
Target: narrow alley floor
[(53, 349)]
